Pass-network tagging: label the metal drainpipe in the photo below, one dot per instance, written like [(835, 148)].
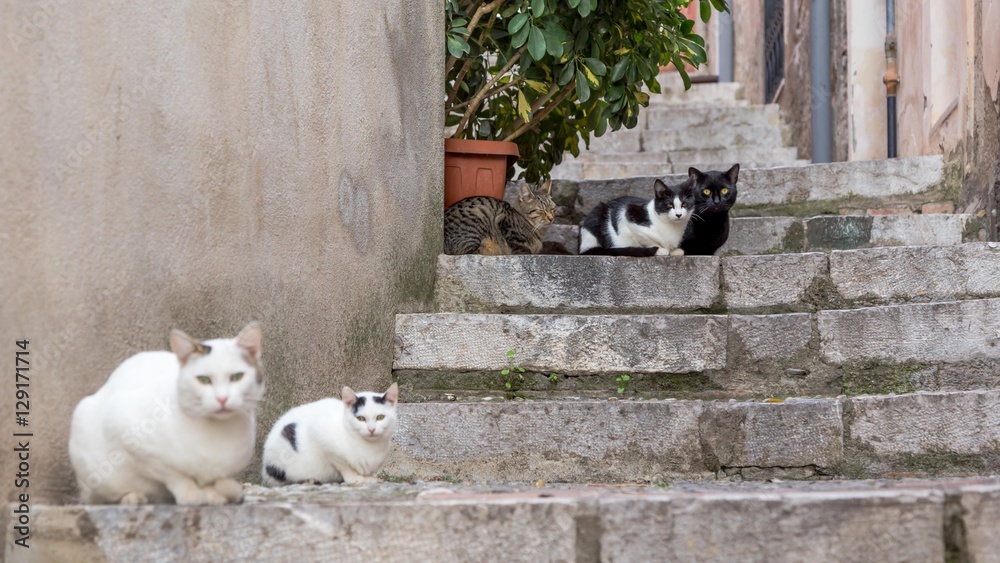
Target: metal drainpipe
[(891, 78), (726, 46), (819, 68)]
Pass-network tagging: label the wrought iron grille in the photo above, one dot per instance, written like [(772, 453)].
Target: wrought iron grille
[(774, 47)]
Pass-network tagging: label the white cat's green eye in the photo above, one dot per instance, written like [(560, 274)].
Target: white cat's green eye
[(706, 192), (725, 191), (361, 418), (204, 380), (236, 376), (380, 417)]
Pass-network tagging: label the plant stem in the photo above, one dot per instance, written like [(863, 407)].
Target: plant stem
[(489, 94), (566, 91), (465, 69), (480, 12), (478, 99)]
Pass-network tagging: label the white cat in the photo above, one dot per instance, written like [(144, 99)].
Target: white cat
[(330, 441), (171, 426)]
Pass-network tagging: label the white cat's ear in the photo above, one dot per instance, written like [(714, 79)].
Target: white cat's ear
[(347, 394), (733, 174), (249, 339), (546, 188), (185, 346), (392, 395)]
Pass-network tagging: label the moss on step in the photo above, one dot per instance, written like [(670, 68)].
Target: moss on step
[(420, 386), (880, 377)]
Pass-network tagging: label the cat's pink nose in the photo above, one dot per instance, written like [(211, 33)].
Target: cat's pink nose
[(222, 400), (371, 431)]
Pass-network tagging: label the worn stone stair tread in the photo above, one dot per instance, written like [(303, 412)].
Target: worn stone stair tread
[(920, 434), (731, 140), (823, 233), (665, 119), (830, 181), (965, 332), (908, 520), (751, 283)]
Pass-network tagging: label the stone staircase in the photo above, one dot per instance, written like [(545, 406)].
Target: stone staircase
[(826, 389), (708, 127)]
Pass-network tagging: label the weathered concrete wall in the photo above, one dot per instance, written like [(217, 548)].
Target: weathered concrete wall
[(982, 157), (796, 94), (199, 165), (839, 80), (748, 48), (931, 38)]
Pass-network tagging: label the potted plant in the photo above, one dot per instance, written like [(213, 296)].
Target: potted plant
[(543, 74)]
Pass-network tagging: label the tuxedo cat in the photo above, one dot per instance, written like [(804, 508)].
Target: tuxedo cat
[(633, 226), (171, 426), (715, 194)]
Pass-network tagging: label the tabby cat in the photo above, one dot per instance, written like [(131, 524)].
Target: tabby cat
[(715, 194), (484, 225)]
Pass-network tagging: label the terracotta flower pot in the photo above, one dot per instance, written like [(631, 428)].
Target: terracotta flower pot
[(473, 167)]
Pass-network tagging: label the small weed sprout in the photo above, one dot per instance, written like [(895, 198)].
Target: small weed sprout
[(554, 377), (622, 381), (511, 370)]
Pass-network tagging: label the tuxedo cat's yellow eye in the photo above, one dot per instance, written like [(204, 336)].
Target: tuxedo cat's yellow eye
[(706, 191), (361, 418), (380, 417), (204, 380), (236, 376), (725, 191)]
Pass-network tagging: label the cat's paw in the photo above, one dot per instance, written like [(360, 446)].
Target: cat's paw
[(662, 252), (677, 252), (360, 480), (230, 489), (134, 498), (212, 496), (195, 495)]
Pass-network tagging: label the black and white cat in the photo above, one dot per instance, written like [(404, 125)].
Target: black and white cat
[(171, 426), (633, 226), (715, 194), (332, 440)]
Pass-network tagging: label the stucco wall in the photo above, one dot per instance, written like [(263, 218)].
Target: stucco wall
[(748, 48), (202, 164)]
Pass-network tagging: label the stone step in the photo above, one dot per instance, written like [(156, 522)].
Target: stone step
[(584, 170), (709, 94), (898, 185), (756, 283), (951, 345), (849, 521), (734, 155), (776, 235), (727, 140), (921, 434), (718, 117)]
